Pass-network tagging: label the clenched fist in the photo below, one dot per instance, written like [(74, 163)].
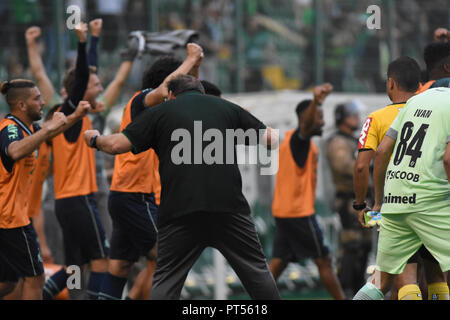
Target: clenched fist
[(58, 120), (321, 92), (82, 109), (194, 51), (96, 27), (32, 34), (88, 134), (442, 34)]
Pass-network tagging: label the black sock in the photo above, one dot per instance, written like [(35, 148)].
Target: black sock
[(95, 284), (112, 287)]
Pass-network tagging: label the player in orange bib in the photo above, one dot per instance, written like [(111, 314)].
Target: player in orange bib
[(20, 254), (75, 183), (297, 233), (34, 205), (135, 185)]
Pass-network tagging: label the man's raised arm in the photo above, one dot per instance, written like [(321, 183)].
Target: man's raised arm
[(308, 119), (37, 66), (194, 57)]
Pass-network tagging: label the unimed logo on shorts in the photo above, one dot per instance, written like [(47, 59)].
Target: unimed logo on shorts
[(400, 199), (223, 149)]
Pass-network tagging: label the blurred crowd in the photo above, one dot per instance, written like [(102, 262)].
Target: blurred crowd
[(271, 47)]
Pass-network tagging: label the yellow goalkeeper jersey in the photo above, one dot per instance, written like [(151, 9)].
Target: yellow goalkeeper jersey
[(376, 126)]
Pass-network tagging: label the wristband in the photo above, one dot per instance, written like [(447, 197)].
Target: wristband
[(358, 207), (93, 142)]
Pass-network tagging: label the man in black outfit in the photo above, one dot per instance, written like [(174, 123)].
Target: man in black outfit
[(201, 204)]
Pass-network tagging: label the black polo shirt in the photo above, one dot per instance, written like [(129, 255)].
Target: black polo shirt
[(194, 185)]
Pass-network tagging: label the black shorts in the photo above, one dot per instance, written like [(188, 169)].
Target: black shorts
[(20, 255), (83, 233), (424, 254), (298, 238), (134, 225)]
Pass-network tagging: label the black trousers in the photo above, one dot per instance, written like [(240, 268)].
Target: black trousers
[(181, 242)]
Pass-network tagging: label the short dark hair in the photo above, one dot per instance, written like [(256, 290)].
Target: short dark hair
[(406, 73), (69, 78), (211, 88), (302, 106), (13, 90), (435, 54), (185, 83), (158, 71)]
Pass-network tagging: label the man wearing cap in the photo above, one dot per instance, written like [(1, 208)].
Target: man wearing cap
[(355, 241), (298, 235)]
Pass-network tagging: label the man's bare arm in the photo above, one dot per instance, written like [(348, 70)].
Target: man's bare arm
[(50, 129), (361, 174), (195, 71), (20, 149), (308, 118), (382, 156), (37, 66), (38, 223), (113, 90), (195, 54), (361, 177), (271, 138), (112, 144), (82, 109)]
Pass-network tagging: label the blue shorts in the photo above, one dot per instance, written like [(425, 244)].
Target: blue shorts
[(20, 254), (83, 233), (298, 238), (134, 218)]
